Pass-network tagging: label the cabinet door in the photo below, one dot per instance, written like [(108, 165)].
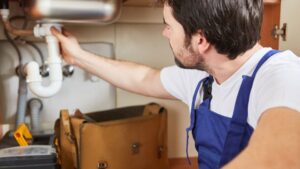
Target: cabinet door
[(270, 19)]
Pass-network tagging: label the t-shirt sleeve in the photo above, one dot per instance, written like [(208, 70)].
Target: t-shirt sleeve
[(278, 86), (181, 83)]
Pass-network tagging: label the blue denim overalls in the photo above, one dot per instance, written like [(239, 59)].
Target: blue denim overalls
[(218, 138)]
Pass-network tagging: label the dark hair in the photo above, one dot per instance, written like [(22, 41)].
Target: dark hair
[(232, 26)]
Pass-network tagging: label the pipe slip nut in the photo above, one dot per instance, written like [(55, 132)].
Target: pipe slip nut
[(4, 14), (42, 30)]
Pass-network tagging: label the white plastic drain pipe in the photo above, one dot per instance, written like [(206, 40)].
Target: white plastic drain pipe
[(33, 78)]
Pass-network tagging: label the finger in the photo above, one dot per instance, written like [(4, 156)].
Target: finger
[(57, 34), (60, 50), (66, 33)]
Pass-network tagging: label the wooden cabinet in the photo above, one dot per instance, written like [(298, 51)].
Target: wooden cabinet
[(147, 14)]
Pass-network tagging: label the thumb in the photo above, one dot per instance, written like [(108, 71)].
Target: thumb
[(57, 34), (66, 33)]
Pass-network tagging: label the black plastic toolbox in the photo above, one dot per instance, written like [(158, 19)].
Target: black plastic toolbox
[(29, 162)]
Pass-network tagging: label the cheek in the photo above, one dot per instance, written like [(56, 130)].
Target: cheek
[(176, 48), (179, 46), (176, 41)]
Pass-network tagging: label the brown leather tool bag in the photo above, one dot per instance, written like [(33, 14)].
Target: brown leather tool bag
[(124, 138)]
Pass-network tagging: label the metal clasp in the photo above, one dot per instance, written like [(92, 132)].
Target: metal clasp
[(135, 148), (102, 165)]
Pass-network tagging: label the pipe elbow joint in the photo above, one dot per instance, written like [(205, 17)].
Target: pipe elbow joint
[(34, 80), (38, 89)]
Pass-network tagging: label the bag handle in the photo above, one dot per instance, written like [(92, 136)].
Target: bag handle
[(152, 108), (67, 131), (162, 131)]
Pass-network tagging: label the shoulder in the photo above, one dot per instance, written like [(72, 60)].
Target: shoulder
[(285, 60), (283, 66), (276, 85)]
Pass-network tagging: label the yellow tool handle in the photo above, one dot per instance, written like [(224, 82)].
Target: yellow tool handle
[(23, 135)]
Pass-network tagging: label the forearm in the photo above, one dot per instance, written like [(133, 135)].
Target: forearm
[(126, 75), (129, 76)]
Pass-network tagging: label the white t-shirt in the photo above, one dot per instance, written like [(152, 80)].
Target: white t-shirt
[(277, 83)]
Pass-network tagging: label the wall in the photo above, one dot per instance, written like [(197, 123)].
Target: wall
[(136, 37), (98, 94), (289, 14)]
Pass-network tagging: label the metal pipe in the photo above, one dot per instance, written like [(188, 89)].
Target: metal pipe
[(14, 31), (35, 106), (22, 89), (22, 99)]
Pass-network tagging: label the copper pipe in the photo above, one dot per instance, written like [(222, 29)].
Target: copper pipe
[(14, 31)]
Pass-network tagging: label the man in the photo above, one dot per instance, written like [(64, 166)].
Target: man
[(237, 89)]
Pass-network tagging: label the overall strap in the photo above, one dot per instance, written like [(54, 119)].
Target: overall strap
[(192, 114), (241, 105), (234, 141), (263, 60)]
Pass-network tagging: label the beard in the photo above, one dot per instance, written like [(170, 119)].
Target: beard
[(198, 60)]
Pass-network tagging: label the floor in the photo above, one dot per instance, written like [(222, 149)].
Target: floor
[(182, 163)]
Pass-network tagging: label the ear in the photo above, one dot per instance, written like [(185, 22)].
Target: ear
[(201, 42)]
